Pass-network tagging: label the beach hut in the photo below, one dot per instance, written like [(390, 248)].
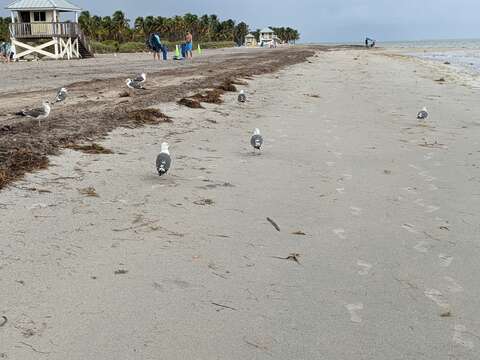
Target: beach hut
[(37, 29), (267, 37), (250, 41)]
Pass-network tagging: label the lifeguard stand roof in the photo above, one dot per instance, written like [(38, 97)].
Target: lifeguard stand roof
[(60, 5), (267, 30)]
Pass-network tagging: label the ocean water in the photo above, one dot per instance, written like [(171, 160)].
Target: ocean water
[(462, 54)]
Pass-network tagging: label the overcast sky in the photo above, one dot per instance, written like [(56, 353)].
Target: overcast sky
[(321, 20)]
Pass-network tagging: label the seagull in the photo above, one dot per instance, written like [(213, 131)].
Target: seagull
[(39, 113), (132, 84), (256, 140), (423, 114), (140, 78), (163, 160), (61, 95), (242, 97)]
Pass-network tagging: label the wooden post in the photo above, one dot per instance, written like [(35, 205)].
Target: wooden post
[(12, 40), (54, 27)]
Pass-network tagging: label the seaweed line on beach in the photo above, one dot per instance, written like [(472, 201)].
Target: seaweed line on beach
[(25, 147)]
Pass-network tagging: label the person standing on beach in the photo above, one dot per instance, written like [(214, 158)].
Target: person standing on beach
[(7, 51), (156, 46), (189, 45)]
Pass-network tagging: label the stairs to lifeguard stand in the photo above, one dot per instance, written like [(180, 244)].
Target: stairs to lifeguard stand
[(84, 47)]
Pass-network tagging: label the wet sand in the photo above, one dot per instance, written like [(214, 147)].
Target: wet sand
[(188, 266)]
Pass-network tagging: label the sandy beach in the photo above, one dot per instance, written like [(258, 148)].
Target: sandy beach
[(102, 259)]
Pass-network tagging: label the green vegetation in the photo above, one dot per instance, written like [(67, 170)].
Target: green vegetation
[(110, 46), (116, 33), (208, 30), (4, 32)]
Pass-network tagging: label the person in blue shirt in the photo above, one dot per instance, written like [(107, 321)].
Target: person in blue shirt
[(7, 52), (156, 46)]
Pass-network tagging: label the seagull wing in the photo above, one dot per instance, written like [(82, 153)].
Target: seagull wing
[(256, 141), (136, 85), (163, 163), (34, 113), (61, 96), (422, 115), (139, 78)]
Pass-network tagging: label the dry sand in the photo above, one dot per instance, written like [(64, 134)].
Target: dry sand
[(188, 267)]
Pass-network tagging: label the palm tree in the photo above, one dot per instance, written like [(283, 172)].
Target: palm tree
[(205, 28), (240, 31), (4, 31), (120, 25)]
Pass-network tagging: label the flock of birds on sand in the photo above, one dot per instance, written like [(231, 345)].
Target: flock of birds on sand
[(164, 160)]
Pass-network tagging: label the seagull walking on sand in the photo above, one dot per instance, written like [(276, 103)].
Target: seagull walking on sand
[(132, 84), (141, 78), (39, 113), (242, 97), (423, 114), (163, 160), (256, 141), (61, 95)]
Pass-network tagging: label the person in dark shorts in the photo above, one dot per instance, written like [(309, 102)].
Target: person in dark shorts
[(155, 44)]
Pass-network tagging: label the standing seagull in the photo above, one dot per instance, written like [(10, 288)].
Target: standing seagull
[(423, 114), (140, 78), (256, 140), (134, 84), (61, 95), (163, 160), (39, 113), (242, 97)]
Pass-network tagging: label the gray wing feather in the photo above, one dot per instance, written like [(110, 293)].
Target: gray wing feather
[(34, 112), (61, 96), (422, 115), (136, 85), (163, 163), (256, 141), (139, 79)]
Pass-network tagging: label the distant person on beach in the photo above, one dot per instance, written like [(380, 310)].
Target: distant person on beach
[(189, 45), (6, 52), (156, 46), (369, 43)]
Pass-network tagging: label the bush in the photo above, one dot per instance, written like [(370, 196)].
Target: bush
[(131, 47), (101, 48)]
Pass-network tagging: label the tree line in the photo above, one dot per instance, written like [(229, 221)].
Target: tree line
[(206, 28), (4, 32)]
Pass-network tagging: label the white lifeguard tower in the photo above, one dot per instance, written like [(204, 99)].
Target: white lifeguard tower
[(267, 37), (37, 29), (250, 41)]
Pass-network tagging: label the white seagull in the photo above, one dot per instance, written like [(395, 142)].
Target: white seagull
[(140, 78), (256, 141), (423, 114), (61, 95), (242, 97), (134, 84), (39, 113), (163, 160)]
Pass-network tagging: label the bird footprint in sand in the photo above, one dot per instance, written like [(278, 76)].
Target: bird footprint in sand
[(353, 309), (364, 267)]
